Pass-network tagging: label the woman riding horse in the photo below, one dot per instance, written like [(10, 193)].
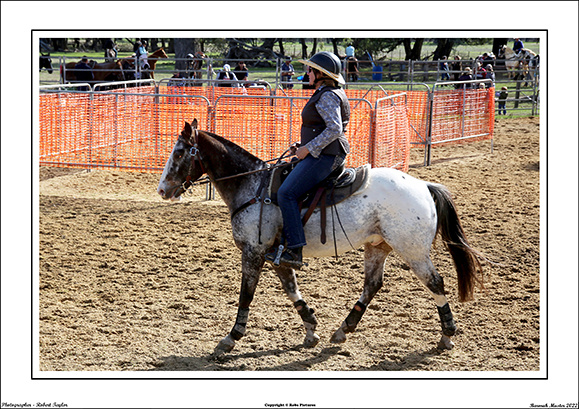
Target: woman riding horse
[(323, 150)]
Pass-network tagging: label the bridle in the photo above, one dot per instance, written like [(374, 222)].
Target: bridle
[(195, 156)]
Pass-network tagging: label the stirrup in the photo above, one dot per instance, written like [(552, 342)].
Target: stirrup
[(274, 257), (284, 257)]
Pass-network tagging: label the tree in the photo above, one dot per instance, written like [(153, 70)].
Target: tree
[(444, 47), (184, 46), (413, 52)]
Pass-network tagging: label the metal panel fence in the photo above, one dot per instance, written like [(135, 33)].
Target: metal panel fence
[(135, 128), (523, 98)]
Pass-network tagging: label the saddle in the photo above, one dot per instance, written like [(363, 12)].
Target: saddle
[(337, 187)]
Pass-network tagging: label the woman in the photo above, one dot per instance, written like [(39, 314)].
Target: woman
[(227, 76), (323, 149)]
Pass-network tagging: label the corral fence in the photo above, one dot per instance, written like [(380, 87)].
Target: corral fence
[(523, 84), (134, 126)]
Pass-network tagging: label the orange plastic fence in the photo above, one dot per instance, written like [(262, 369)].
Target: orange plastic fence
[(462, 114), (135, 129)]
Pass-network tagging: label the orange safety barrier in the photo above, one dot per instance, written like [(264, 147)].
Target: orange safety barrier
[(135, 129), (462, 114)]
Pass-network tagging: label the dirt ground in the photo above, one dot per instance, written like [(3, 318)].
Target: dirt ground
[(128, 282)]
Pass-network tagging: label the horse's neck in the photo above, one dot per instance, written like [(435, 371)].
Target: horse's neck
[(226, 159)]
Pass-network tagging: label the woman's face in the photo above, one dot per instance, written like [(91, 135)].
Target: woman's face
[(311, 76)]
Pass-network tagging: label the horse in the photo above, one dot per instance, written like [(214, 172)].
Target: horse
[(129, 63), (46, 63), (514, 61), (392, 211), (102, 72)]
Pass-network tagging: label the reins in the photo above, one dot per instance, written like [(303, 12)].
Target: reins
[(195, 154), (258, 198)]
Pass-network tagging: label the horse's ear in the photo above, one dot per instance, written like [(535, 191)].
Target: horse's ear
[(187, 131), (194, 124)]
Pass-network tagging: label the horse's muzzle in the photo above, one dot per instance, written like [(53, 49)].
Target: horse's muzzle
[(173, 194)]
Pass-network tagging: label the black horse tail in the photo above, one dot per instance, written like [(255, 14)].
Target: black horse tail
[(466, 259)]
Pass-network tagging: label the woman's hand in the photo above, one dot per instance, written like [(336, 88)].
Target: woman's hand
[(302, 152)]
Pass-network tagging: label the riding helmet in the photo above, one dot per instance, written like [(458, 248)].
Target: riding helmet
[(328, 63)]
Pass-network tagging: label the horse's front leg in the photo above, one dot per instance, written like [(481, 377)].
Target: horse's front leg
[(290, 286), (251, 265)]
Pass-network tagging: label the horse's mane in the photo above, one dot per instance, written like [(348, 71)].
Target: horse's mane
[(232, 147)]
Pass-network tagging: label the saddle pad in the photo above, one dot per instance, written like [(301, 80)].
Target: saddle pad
[(347, 184)]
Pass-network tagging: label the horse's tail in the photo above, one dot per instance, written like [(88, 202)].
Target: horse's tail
[(466, 259)]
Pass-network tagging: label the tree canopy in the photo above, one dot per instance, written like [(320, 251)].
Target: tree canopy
[(272, 48)]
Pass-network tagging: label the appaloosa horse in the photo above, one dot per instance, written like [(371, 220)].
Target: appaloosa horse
[(391, 211)]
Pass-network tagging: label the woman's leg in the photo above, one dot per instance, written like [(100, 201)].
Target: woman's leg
[(306, 175)]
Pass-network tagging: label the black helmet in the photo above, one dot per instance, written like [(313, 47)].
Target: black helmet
[(327, 63)]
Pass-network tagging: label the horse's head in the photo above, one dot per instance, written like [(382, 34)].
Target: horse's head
[(183, 166)]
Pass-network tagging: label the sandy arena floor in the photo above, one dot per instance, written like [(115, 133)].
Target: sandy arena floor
[(129, 282)]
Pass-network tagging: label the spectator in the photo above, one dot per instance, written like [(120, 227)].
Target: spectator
[(226, 76), (456, 67), (503, 95), (287, 71), (518, 45), (444, 76), (110, 50), (241, 72), (480, 72), (351, 65), (176, 80), (141, 62), (466, 76), (490, 74), (84, 73), (488, 59)]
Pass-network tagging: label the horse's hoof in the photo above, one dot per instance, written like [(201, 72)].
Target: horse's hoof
[(311, 341), (225, 345), (339, 337), (445, 343)]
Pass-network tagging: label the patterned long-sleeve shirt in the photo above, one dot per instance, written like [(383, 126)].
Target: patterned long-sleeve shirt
[(329, 108)]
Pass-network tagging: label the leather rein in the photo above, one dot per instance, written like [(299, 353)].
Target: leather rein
[(196, 156)]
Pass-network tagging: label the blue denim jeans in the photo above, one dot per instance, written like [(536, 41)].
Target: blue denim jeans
[(306, 175)]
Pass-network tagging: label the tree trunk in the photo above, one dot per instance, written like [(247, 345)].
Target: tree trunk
[(184, 46), (444, 48), (335, 45), (304, 48), (315, 46), (413, 52)]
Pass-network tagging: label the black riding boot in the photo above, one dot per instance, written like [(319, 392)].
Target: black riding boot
[(288, 258)]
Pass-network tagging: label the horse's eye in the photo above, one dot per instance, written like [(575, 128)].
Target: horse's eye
[(178, 154)]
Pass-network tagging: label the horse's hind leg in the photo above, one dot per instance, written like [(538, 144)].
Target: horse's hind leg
[(374, 257), (427, 273), (290, 286)]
